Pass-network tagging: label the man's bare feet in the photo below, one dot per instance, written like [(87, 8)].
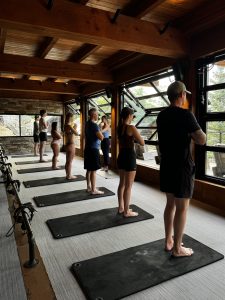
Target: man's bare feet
[(183, 252), (130, 214), (71, 177)]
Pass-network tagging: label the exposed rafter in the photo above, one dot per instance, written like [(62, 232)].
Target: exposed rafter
[(37, 86), (3, 33), (92, 26), (47, 68), (140, 8), (83, 52)]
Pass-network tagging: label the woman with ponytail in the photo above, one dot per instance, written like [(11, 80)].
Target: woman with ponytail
[(126, 160)]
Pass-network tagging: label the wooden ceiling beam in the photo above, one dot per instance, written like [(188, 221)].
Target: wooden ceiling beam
[(140, 8), (3, 33), (37, 86), (83, 52), (31, 95), (92, 26), (51, 68), (203, 17), (84, 2)]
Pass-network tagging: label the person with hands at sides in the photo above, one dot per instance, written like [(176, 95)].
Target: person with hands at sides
[(126, 160), (70, 130), (176, 128), (93, 138), (43, 128)]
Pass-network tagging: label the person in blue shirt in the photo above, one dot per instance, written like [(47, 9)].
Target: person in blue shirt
[(93, 138), (105, 143)]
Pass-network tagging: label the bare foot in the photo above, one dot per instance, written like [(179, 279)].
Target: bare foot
[(97, 192), (71, 177), (88, 189), (169, 245), (130, 214), (120, 212), (183, 252), (55, 168), (42, 160)]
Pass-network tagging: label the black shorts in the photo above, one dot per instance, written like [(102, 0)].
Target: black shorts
[(36, 138), (177, 180), (127, 160), (43, 136), (91, 159)]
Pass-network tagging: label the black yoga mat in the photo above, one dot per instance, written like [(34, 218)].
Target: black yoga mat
[(34, 170), (120, 274), (49, 181), (29, 162), (26, 155), (92, 221), (78, 195)]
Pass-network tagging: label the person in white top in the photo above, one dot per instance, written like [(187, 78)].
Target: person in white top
[(43, 128)]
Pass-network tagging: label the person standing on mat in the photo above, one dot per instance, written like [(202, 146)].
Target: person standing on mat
[(126, 160), (43, 128), (70, 130), (36, 135), (176, 127), (93, 138), (105, 143), (55, 144)]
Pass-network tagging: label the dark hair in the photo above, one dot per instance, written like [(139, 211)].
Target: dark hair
[(36, 117), (42, 112), (126, 111), (54, 126)]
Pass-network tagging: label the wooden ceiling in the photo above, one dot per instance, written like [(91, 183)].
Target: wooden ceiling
[(63, 48)]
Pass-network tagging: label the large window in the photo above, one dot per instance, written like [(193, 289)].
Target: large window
[(22, 125), (148, 97), (211, 107), (102, 103)]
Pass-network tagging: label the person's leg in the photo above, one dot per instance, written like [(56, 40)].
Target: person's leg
[(179, 224), (129, 179), (55, 149), (94, 190), (36, 149), (70, 153), (120, 191), (168, 221), (42, 148), (88, 179), (106, 158)]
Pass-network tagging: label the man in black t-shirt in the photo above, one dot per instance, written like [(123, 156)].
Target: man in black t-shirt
[(176, 127)]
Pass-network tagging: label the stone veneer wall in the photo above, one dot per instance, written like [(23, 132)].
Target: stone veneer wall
[(16, 145)]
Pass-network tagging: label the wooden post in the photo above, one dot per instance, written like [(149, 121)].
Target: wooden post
[(116, 101)]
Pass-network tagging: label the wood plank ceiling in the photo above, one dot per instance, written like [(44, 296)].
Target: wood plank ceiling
[(59, 49)]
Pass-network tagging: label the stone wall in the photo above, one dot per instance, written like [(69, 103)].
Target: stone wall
[(16, 145)]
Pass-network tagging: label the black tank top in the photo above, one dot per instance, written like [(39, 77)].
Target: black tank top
[(126, 141)]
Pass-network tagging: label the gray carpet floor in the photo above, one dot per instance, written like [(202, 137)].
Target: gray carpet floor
[(58, 255)]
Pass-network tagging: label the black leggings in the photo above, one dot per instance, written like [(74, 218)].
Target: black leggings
[(105, 150)]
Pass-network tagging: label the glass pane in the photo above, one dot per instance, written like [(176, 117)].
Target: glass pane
[(147, 155), (215, 131), (51, 119), (216, 101), (142, 90), (215, 164), (75, 106), (99, 100), (9, 125), (106, 109), (27, 125), (216, 73), (163, 83), (148, 121), (153, 102)]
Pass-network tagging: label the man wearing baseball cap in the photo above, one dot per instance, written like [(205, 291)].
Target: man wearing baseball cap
[(176, 128)]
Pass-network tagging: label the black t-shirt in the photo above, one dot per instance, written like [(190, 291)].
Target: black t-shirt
[(174, 126)]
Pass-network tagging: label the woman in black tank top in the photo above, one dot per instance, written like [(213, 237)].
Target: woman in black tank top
[(126, 160)]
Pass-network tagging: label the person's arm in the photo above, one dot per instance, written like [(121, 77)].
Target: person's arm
[(99, 135), (106, 128), (74, 129), (199, 137), (137, 135)]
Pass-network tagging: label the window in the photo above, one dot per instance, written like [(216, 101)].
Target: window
[(148, 97), (102, 103), (22, 125), (211, 108)]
